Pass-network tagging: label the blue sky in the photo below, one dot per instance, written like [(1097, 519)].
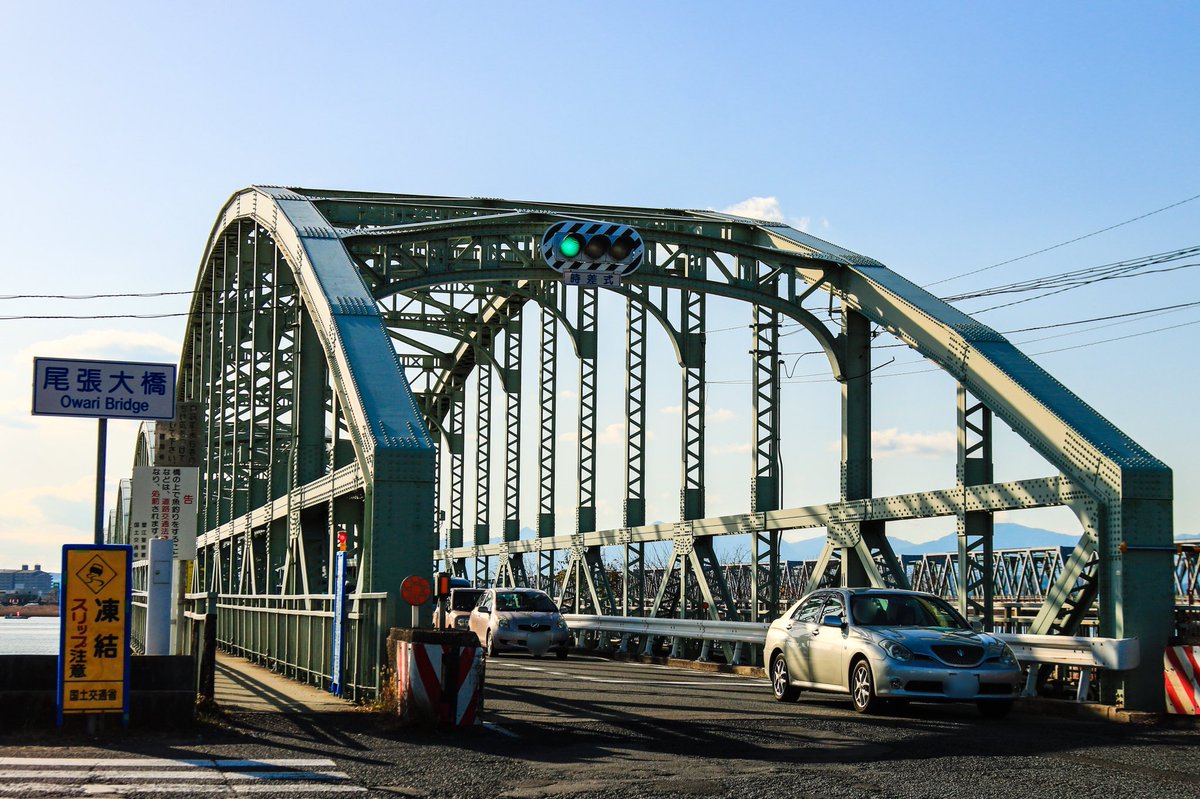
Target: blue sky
[(939, 138)]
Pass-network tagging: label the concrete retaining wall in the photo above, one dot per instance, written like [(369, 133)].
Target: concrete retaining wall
[(162, 691)]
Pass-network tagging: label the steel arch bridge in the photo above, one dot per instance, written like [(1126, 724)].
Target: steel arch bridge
[(343, 347)]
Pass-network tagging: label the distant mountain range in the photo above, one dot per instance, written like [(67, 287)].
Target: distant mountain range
[(1005, 536)]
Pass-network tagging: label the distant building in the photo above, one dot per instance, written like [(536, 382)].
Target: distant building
[(26, 581)]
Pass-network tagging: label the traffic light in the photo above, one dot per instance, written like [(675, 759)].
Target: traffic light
[(581, 245), (443, 585)]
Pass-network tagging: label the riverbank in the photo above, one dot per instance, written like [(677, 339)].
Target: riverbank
[(36, 610)]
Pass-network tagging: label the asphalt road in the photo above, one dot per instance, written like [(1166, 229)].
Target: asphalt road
[(588, 727)]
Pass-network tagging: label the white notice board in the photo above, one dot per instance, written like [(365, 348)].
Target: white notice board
[(164, 506)]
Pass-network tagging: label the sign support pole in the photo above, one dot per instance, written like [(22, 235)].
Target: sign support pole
[(101, 451)]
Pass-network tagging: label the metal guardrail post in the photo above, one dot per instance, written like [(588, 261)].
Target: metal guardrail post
[(203, 641)]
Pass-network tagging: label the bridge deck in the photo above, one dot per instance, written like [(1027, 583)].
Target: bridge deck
[(245, 687)]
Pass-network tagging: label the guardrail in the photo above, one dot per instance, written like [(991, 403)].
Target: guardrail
[(1110, 654)]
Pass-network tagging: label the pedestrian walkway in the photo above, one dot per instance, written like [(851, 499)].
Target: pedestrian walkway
[(126, 776), (245, 687)]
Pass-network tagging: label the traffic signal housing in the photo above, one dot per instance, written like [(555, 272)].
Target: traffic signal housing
[(442, 588), (583, 245)]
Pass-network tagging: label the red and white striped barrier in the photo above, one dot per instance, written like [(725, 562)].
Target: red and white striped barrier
[(1181, 671), (440, 682)]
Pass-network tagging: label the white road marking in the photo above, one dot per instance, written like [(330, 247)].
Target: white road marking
[(491, 725), (99, 762), (108, 774), (298, 788), (77, 776)]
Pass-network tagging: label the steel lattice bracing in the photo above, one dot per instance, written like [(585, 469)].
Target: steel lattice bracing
[(312, 306)]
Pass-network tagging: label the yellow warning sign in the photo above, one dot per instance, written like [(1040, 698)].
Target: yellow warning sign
[(94, 649)]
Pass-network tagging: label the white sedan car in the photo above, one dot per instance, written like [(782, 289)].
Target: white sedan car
[(520, 619), (879, 644)]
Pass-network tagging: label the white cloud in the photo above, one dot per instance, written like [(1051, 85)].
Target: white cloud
[(671, 410), (892, 443), (613, 434), (107, 344), (767, 209), (731, 449)]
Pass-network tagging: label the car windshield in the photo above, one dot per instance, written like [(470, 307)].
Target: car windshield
[(905, 610), (520, 601)]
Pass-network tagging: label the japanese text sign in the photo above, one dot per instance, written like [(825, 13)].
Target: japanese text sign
[(103, 389), (591, 279), (94, 629), (164, 506)]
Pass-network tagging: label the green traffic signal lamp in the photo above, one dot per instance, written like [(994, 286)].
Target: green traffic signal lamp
[(570, 245)]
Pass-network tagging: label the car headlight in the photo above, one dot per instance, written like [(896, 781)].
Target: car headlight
[(1004, 654), (502, 623), (560, 624), (895, 650)]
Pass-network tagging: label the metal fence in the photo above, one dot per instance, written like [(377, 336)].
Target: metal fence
[(292, 634)]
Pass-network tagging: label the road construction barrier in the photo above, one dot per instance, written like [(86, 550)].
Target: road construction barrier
[(1181, 673), (439, 676)]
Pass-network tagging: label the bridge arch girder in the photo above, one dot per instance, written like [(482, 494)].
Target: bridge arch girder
[(349, 252)]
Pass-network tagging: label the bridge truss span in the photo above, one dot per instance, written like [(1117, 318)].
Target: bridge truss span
[(407, 371)]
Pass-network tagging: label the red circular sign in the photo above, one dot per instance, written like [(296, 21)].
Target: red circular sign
[(415, 590)]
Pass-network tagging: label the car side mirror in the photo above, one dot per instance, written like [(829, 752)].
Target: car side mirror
[(977, 625), (833, 621)]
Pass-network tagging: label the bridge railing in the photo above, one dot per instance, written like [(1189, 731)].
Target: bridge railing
[(1084, 653), (137, 611), (293, 635)]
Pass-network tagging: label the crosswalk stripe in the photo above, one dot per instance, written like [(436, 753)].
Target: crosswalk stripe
[(106, 774), (28, 788), (96, 762), (78, 776)]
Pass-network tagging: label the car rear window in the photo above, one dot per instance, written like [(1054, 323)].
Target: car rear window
[(464, 600)]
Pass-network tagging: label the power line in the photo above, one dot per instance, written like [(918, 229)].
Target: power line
[(1065, 243), (122, 295), (822, 377)]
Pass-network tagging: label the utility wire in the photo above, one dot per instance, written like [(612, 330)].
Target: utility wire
[(1065, 243), (92, 296), (822, 377)]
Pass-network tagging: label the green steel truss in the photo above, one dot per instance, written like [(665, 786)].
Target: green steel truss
[(339, 340)]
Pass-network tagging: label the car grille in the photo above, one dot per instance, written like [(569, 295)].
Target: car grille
[(534, 628), (958, 654)]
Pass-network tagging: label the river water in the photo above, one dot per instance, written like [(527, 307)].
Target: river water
[(37, 635)]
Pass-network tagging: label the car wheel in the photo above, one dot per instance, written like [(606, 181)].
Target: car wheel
[(491, 650), (781, 681), (561, 654), (995, 710), (862, 688)]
